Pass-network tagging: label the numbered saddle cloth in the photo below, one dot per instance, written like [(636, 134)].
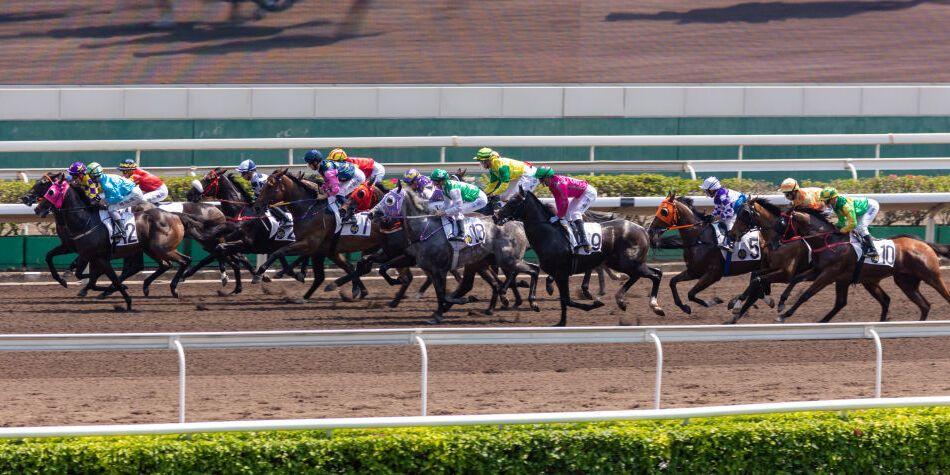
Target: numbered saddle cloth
[(359, 225), (595, 237), (886, 251), (280, 231), (172, 207), (127, 223), (474, 230), (747, 248)]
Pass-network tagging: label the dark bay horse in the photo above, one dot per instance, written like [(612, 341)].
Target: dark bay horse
[(158, 233), (624, 249), (834, 261), (701, 252)]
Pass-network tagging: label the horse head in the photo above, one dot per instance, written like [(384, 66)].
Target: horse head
[(39, 188), (390, 206), (523, 206), (275, 190), (209, 186), (672, 212), (49, 192)]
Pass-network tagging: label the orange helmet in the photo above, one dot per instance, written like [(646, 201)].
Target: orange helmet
[(337, 155)]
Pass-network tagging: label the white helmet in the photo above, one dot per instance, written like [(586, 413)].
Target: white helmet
[(711, 184), (246, 166)]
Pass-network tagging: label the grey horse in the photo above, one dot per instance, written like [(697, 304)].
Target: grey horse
[(504, 246)]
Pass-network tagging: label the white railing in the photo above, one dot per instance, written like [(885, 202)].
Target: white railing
[(330, 424), (424, 337), (592, 142)]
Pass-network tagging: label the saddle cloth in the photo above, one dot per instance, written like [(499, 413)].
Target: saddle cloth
[(172, 207), (127, 223), (594, 237), (474, 230), (359, 225), (748, 248), (886, 251), (278, 231)]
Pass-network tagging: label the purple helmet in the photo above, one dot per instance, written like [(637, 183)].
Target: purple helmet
[(77, 169)]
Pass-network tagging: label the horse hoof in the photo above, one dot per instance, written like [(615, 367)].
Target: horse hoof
[(780, 319), (222, 293), (265, 278), (736, 310), (119, 307), (659, 312), (770, 302), (434, 321), (550, 288), (63, 283), (256, 279), (622, 305), (585, 294), (82, 293), (686, 309), (236, 291), (393, 304), (298, 300), (535, 307), (597, 304), (717, 300), (329, 288), (300, 278)]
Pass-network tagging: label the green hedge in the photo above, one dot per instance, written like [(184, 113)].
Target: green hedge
[(894, 441)]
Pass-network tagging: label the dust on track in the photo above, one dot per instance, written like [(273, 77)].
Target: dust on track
[(118, 387)]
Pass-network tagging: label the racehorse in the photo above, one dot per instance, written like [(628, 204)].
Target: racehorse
[(314, 227), (235, 202), (158, 233), (704, 260), (835, 261), (624, 248), (436, 255)]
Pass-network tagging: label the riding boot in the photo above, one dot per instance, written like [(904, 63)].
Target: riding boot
[(580, 237), (868, 247), (459, 234)]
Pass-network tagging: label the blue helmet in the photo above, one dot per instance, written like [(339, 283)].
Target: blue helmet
[(313, 156), (246, 166)]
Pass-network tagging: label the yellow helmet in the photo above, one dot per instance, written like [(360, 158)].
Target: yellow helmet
[(788, 185), (337, 155), (828, 194)]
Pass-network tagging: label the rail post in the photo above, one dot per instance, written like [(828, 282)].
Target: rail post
[(290, 156), (591, 155), (424, 381), (441, 154), (879, 362), (138, 158), (22, 176), (175, 344), (854, 171), (741, 152), (659, 368), (877, 155)]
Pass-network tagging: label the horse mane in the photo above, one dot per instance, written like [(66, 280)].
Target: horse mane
[(689, 204), (814, 213), (303, 182), (771, 208), (240, 189)]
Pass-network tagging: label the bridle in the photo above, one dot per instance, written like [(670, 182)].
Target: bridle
[(669, 214)]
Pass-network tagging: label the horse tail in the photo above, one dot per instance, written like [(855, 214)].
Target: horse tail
[(942, 250)]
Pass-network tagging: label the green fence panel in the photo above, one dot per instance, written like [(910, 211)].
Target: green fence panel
[(11, 252), (890, 231), (943, 234)]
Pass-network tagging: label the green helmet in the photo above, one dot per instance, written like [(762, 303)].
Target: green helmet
[(544, 172), (94, 169), (485, 153), (828, 194), (439, 175)]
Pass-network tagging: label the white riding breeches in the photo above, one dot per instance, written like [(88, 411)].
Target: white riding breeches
[(157, 195), (135, 198), (865, 220), (347, 187), (577, 206), (379, 171), (526, 181), (729, 222), (458, 211)]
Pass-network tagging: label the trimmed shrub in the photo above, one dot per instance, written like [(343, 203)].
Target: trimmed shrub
[(892, 441)]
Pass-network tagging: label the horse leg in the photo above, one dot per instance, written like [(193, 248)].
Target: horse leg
[(707, 279), (564, 292), (496, 287), (601, 281), (438, 282), (655, 275), (933, 279), (841, 299), (874, 288), (824, 279), (203, 262), (744, 295), (319, 274), (110, 272), (294, 248), (533, 271), (183, 262), (56, 251), (468, 281), (911, 287), (810, 275), (405, 278), (549, 284), (685, 275), (236, 267), (163, 267), (585, 286)]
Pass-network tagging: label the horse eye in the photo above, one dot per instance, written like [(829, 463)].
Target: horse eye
[(390, 200), (664, 212)]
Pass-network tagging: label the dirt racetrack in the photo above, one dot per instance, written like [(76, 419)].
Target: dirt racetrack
[(121, 387)]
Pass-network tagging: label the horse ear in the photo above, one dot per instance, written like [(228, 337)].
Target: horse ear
[(399, 185)]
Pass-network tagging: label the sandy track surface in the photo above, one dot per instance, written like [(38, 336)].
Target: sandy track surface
[(71, 388)]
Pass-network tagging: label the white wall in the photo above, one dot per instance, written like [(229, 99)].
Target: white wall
[(268, 102)]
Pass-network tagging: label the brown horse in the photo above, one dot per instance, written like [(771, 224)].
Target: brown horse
[(314, 227), (158, 233), (834, 261), (701, 252)]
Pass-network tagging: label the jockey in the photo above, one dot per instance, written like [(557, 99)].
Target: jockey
[(506, 175), (460, 198), (854, 214), (419, 183), (339, 180), (581, 196), (373, 170), (78, 175), (248, 171), (726, 204), (152, 186), (801, 197), (313, 157), (117, 193)]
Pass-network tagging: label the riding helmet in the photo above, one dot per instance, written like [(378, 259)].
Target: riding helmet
[(313, 156), (128, 165), (337, 155), (95, 170), (77, 169), (711, 184), (246, 166), (439, 175), (788, 185)]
